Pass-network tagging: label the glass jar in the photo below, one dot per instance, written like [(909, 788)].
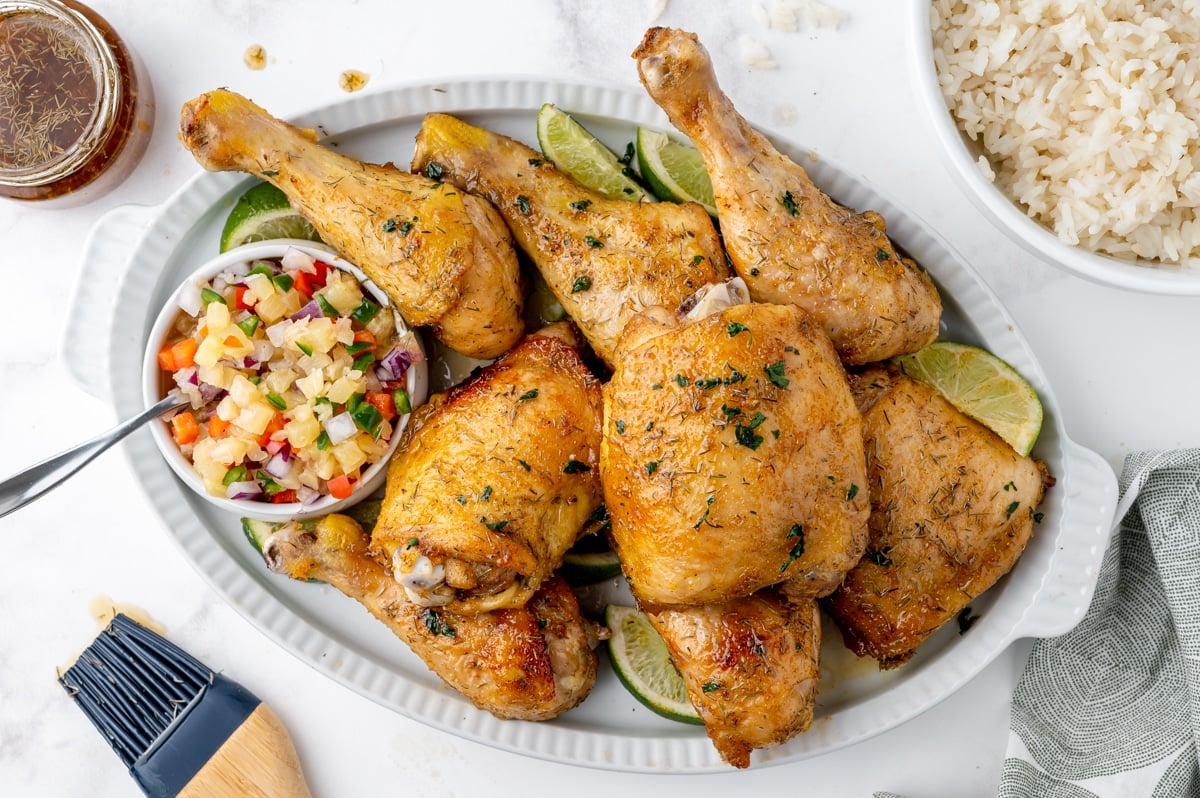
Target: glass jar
[(76, 108)]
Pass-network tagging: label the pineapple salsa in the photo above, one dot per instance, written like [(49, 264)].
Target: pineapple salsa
[(296, 379)]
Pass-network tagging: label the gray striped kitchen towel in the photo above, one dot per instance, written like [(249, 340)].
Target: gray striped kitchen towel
[(1112, 708)]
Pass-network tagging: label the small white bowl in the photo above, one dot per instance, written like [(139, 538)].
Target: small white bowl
[(372, 478), (961, 156)]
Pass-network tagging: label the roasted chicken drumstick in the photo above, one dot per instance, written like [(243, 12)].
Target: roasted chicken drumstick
[(495, 478), (444, 257), (952, 507), (750, 665), (732, 456), (605, 260), (789, 241), (530, 663)]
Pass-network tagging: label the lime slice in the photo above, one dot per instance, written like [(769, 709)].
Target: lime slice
[(983, 386), (674, 171), (578, 154), (261, 214), (643, 664), (587, 567)]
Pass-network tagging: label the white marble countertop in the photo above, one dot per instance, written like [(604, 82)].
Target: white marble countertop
[(1121, 364)]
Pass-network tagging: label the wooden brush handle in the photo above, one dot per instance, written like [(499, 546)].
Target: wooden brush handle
[(257, 761)]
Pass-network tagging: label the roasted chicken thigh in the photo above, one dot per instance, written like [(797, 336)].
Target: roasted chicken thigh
[(788, 240), (952, 507), (444, 257), (528, 663), (605, 260), (495, 478), (750, 665), (732, 456)]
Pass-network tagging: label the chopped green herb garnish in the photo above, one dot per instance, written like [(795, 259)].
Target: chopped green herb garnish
[(405, 226), (277, 400), (711, 382), (736, 327), (620, 425), (522, 204), (581, 205), (495, 526), (656, 386), (461, 500), (536, 161), (366, 311), (730, 412), (797, 533), (735, 377), (593, 242), (1012, 508), (755, 272), (775, 374), (707, 508), (1037, 517), (486, 495), (745, 434), (532, 393), (651, 467), (269, 173), (390, 225), (576, 467), (681, 380), (582, 283), (523, 464), (709, 687), (434, 623), (881, 254), (850, 494), (775, 434), (697, 260), (789, 204), (1010, 486), (434, 171), (412, 542), (208, 296)]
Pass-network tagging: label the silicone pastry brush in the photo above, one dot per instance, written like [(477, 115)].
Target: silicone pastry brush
[(181, 729)]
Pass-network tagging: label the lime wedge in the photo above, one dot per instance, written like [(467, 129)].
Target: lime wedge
[(261, 214), (983, 386), (587, 567), (643, 664), (580, 156), (674, 171)]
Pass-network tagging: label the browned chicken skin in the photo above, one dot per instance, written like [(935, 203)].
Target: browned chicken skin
[(494, 479), (788, 240), (529, 663), (444, 257), (732, 456), (750, 665), (604, 260), (952, 507)]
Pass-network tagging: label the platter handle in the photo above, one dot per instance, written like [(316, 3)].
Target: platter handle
[(1066, 592), (106, 253)]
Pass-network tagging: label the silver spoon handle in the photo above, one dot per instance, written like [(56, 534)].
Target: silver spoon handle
[(22, 488)]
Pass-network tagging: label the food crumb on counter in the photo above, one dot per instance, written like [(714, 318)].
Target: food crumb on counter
[(255, 56), (352, 80), (787, 15), (754, 53)]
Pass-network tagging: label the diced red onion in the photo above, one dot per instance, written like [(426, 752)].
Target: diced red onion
[(210, 392), (243, 490), (340, 428), (249, 362), (263, 351), (218, 284), (185, 376), (278, 467), (297, 260), (189, 300), (394, 365), (310, 311), (306, 495), (239, 269)]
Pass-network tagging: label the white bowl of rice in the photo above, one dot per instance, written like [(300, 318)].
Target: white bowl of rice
[(1075, 126), (301, 377)]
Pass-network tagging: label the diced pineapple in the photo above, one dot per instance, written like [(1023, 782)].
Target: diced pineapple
[(218, 375), (259, 286), (325, 464), (216, 316), (311, 384), (243, 392), (344, 330), (232, 449), (272, 308), (349, 455), (321, 335), (303, 428), (278, 381), (255, 417), (210, 351), (228, 409), (341, 290), (382, 325), (345, 387)]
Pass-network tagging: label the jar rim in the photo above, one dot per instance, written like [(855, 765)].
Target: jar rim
[(105, 68)]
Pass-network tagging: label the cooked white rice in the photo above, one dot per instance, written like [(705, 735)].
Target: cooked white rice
[(1088, 111)]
